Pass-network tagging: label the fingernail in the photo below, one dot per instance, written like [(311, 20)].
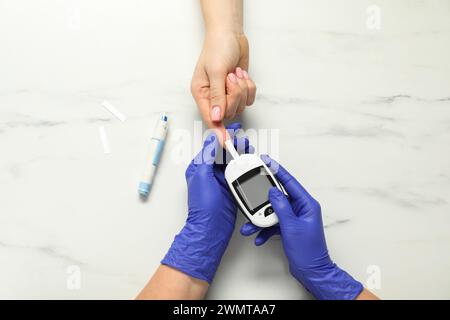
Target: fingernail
[(239, 72), (232, 78), (245, 74), (215, 113)]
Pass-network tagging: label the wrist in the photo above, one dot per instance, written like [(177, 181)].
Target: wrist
[(223, 16), (196, 253), (221, 29), (329, 282), (225, 36), (170, 283)]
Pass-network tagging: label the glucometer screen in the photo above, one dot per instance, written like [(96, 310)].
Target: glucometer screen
[(253, 187)]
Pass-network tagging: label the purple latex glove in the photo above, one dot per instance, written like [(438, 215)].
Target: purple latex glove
[(200, 245), (303, 238)]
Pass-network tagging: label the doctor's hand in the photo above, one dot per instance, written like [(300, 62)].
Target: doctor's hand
[(303, 239), (198, 248)]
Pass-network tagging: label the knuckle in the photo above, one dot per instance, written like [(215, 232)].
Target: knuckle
[(217, 69), (237, 93), (216, 93), (230, 113), (243, 85)]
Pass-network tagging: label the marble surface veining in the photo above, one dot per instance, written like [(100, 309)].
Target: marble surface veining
[(362, 114)]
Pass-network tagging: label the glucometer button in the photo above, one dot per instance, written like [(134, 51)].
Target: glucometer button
[(268, 211)]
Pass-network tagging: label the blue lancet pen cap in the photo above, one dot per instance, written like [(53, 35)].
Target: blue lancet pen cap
[(144, 189)]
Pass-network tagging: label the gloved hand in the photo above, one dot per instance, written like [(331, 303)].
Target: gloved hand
[(303, 238), (198, 248)]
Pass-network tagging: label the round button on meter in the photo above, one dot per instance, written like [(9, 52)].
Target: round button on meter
[(268, 211)]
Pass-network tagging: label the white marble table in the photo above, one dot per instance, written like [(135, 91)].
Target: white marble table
[(363, 117)]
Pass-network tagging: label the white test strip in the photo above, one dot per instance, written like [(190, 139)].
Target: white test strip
[(119, 115), (230, 147), (104, 140)]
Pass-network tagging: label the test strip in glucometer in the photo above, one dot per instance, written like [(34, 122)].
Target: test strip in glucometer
[(230, 147)]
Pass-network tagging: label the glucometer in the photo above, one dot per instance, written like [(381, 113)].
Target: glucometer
[(249, 180)]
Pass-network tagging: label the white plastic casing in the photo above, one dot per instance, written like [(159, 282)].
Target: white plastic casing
[(236, 168)]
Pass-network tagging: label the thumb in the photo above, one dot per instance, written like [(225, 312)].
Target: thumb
[(281, 206), (217, 95), (205, 171)]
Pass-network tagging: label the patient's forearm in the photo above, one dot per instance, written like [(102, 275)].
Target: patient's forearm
[(223, 15)]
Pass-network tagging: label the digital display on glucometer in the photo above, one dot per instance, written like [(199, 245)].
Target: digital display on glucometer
[(253, 187)]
